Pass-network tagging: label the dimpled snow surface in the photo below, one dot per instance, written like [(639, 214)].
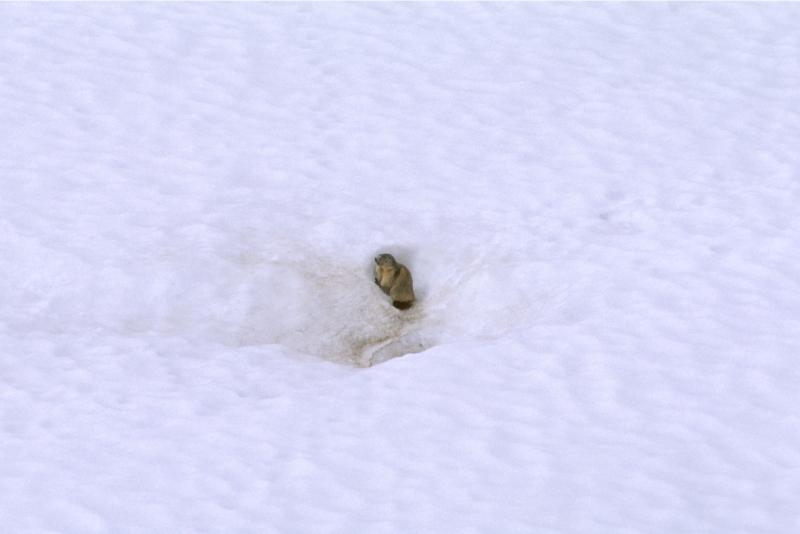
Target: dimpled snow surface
[(599, 204)]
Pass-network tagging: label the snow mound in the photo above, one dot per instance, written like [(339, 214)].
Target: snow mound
[(328, 307)]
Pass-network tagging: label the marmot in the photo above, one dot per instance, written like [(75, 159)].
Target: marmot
[(395, 280)]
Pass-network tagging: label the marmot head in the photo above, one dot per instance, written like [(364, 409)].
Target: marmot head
[(385, 260)]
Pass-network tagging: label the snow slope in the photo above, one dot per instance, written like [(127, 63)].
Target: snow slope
[(599, 204)]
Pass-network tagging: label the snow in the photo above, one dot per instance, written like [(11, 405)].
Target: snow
[(598, 202)]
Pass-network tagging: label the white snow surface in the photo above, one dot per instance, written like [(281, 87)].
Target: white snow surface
[(600, 205)]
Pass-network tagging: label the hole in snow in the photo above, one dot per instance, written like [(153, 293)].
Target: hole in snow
[(334, 310), (330, 310)]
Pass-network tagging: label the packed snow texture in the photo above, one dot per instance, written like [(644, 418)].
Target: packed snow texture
[(600, 205)]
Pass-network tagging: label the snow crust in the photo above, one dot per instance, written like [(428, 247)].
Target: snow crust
[(598, 202)]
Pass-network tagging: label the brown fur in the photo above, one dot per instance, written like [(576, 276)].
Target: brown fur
[(395, 280)]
